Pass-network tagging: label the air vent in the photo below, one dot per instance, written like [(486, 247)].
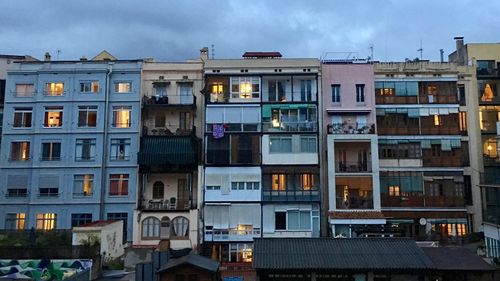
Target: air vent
[(161, 77)]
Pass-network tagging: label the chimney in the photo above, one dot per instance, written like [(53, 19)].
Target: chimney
[(47, 56), (461, 60), (204, 53), (441, 53)]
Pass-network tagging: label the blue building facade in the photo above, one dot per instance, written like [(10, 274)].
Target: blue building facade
[(71, 130)]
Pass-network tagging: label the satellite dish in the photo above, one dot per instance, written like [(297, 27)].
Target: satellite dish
[(422, 221)]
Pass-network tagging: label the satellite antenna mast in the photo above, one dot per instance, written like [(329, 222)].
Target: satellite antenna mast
[(371, 52), (421, 50), (213, 51), (58, 52)]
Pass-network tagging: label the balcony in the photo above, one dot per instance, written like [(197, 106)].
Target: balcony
[(172, 130), (441, 130), (167, 192), (169, 101), (290, 195), (353, 167), (490, 178), (351, 128), (167, 154), (487, 72), (440, 99), (444, 161), (420, 200), (354, 193), (395, 99), (217, 97), (490, 196), (305, 126), (160, 205)]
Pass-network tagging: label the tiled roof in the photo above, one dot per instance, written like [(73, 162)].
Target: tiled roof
[(356, 215), (339, 254), (456, 259), (194, 260)]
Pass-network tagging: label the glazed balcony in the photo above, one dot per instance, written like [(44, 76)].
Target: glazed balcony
[(290, 195), (490, 196), (305, 126), (169, 101), (420, 200)]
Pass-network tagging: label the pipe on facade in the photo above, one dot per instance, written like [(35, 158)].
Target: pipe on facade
[(105, 141)]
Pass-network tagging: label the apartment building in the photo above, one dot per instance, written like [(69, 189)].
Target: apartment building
[(69, 142), (352, 165), (423, 148), (261, 152), (169, 154), (484, 59)]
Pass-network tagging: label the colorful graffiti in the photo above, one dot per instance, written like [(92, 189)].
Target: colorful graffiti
[(43, 270)]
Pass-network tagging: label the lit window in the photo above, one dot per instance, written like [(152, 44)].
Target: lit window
[(217, 88), (240, 252), (54, 89), (20, 151), (83, 185), (89, 87), (123, 87), (15, 221), (394, 190), (121, 116), (245, 87), (22, 117), (307, 181), (53, 117), (25, 90), (87, 116), (118, 184), (278, 181), (437, 120), (46, 221)]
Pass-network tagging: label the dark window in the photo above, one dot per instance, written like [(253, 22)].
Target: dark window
[(245, 149), (336, 93), (179, 277), (80, 219), (48, 192), (467, 190), (280, 220), (123, 217), (360, 93), (17, 192), (218, 150), (51, 151), (2, 91), (193, 277), (461, 94), (158, 190)]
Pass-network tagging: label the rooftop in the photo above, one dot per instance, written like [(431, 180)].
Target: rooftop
[(194, 260)]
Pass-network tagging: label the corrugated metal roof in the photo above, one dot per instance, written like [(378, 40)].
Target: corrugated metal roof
[(172, 150), (339, 254), (463, 259), (195, 260)]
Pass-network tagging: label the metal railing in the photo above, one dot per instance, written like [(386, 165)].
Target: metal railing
[(168, 131), (305, 126), (291, 195), (169, 100), (351, 128), (353, 167)]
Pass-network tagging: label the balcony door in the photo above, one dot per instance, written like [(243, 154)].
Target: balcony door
[(182, 193), (185, 120), (186, 94)]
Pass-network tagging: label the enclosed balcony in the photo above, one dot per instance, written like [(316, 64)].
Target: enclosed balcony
[(167, 154), (351, 158), (167, 192), (491, 204), (291, 183), (164, 94), (351, 128), (354, 192), (289, 118)]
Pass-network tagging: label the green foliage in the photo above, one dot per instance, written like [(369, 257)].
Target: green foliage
[(13, 240), (50, 239)]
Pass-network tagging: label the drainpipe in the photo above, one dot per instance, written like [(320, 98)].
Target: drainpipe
[(105, 141)]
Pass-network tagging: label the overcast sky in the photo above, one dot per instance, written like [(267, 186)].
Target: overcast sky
[(177, 29)]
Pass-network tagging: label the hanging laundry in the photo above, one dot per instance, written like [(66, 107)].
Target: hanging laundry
[(218, 131)]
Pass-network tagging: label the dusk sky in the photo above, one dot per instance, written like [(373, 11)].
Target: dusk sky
[(176, 30)]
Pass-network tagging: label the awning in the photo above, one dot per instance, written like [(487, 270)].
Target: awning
[(171, 150)]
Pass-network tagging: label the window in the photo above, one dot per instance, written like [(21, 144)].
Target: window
[(121, 116), (306, 90), (48, 191), (46, 221), (299, 220), (394, 190), (280, 144), (123, 87), (51, 151), (118, 184), (25, 90), (17, 192), (80, 219), (278, 181), (17, 185), (436, 150), (437, 120), (336, 93), (53, 117), (186, 93), (213, 187), (240, 252), (280, 220), (245, 87), (151, 228), (217, 88), (83, 185), (20, 151), (463, 121), (253, 185), (89, 87), (15, 221), (120, 149), (360, 93), (87, 116), (54, 89), (160, 120), (158, 190), (160, 90), (185, 122), (307, 182), (276, 90), (180, 226), (308, 144), (237, 185), (22, 117), (85, 150), (123, 217)]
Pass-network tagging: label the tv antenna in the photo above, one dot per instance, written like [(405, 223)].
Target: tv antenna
[(421, 50), (58, 52), (213, 51)]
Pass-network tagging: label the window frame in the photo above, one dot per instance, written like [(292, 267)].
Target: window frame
[(54, 92), (91, 143), (115, 149), (52, 150), (120, 109), (117, 86), (48, 110), (336, 93), (79, 183), (92, 84), (88, 111), (23, 112), (122, 184)]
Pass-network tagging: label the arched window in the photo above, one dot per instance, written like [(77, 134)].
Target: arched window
[(158, 190), (151, 228), (181, 226)]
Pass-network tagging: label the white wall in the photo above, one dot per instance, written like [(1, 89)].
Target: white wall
[(296, 157), (224, 177)]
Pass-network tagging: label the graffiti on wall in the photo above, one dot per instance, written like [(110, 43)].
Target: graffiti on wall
[(43, 270)]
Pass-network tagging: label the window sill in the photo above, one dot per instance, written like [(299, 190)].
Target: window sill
[(21, 128)]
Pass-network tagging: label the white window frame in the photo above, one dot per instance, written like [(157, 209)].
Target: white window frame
[(87, 87), (23, 112)]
